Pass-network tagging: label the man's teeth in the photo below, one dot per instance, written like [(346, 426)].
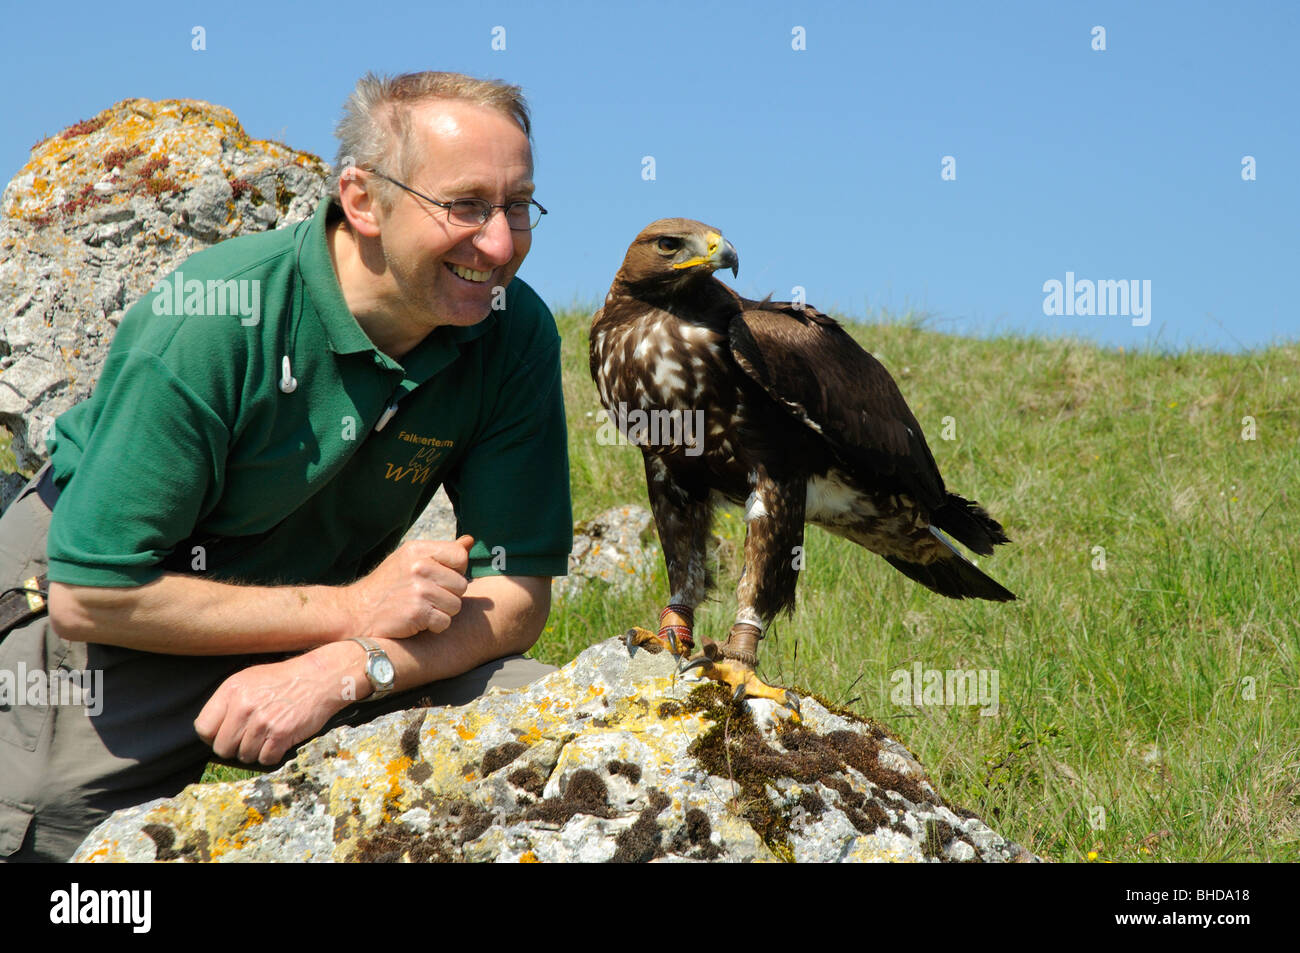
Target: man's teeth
[(469, 274)]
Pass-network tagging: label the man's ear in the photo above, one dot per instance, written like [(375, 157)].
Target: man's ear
[(364, 214)]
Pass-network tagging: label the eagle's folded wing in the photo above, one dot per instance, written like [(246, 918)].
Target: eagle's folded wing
[(811, 366)]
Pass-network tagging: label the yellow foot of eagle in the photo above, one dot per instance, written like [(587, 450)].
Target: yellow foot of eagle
[(733, 665)]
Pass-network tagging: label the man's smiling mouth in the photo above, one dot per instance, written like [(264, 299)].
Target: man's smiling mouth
[(469, 274)]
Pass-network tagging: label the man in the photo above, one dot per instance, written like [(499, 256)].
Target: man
[(226, 505)]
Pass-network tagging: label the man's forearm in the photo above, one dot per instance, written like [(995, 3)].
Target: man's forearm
[(417, 587), (182, 615)]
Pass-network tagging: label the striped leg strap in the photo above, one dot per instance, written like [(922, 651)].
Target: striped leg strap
[(682, 633)]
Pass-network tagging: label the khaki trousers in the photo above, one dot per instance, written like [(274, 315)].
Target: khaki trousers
[(64, 768)]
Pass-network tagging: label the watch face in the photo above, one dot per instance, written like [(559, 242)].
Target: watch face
[(383, 670)]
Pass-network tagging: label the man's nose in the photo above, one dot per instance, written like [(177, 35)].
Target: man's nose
[(495, 238)]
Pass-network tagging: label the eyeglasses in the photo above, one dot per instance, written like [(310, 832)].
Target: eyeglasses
[(474, 213)]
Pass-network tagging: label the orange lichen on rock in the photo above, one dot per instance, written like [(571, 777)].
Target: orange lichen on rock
[(77, 165), (393, 771), (239, 837)]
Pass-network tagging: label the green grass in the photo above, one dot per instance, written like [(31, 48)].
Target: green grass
[(1125, 690), (1128, 690), (8, 463)]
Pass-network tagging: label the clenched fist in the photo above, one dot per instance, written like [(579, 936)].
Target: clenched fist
[(418, 587)]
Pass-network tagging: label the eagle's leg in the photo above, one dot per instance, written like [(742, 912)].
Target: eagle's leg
[(774, 516), (683, 520)]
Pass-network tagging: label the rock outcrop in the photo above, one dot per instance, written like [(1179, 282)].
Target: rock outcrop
[(612, 758), (98, 214)]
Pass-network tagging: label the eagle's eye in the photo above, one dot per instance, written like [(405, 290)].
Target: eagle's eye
[(669, 245)]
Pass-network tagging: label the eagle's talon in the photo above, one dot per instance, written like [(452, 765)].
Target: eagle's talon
[(665, 640), (740, 678), (637, 637)]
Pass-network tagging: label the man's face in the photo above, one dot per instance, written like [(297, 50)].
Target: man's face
[(463, 151)]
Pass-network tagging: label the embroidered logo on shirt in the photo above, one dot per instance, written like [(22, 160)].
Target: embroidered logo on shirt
[(427, 452)]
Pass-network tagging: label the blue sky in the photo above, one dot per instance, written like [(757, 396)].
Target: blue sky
[(822, 165)]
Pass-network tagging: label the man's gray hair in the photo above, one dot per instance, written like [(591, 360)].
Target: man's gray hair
[(375, 131)]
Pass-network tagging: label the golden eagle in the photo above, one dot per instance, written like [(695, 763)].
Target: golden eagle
[(773, 406)]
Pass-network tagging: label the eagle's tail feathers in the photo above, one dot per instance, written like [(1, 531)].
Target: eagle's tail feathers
[(969, 524), (953, 575)]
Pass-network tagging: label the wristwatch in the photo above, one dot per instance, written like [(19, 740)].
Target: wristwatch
[(379, 670)]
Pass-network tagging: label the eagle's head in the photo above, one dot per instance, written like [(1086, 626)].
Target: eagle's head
[(673, 252)]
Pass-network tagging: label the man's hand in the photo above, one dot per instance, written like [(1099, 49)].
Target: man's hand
[(261, 712), (416, 588)]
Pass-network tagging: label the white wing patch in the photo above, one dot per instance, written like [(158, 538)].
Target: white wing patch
[(833, 499)]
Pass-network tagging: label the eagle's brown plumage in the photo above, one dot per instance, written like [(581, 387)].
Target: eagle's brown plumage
[(800, 424)]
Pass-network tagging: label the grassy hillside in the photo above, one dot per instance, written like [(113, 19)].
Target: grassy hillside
[(1149, 710)]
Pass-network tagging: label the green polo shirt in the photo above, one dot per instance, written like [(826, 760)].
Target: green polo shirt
[(189, 456)]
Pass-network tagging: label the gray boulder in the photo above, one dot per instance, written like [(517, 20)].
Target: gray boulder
[(612, 758)]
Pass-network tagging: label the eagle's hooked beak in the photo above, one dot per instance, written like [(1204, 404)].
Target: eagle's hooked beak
[(720, 254), (727, 258)]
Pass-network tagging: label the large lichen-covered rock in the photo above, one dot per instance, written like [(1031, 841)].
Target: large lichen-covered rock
[(612, 758), (98, 214)]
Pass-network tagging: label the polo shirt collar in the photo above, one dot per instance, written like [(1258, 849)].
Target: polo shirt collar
[(317, 270)]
